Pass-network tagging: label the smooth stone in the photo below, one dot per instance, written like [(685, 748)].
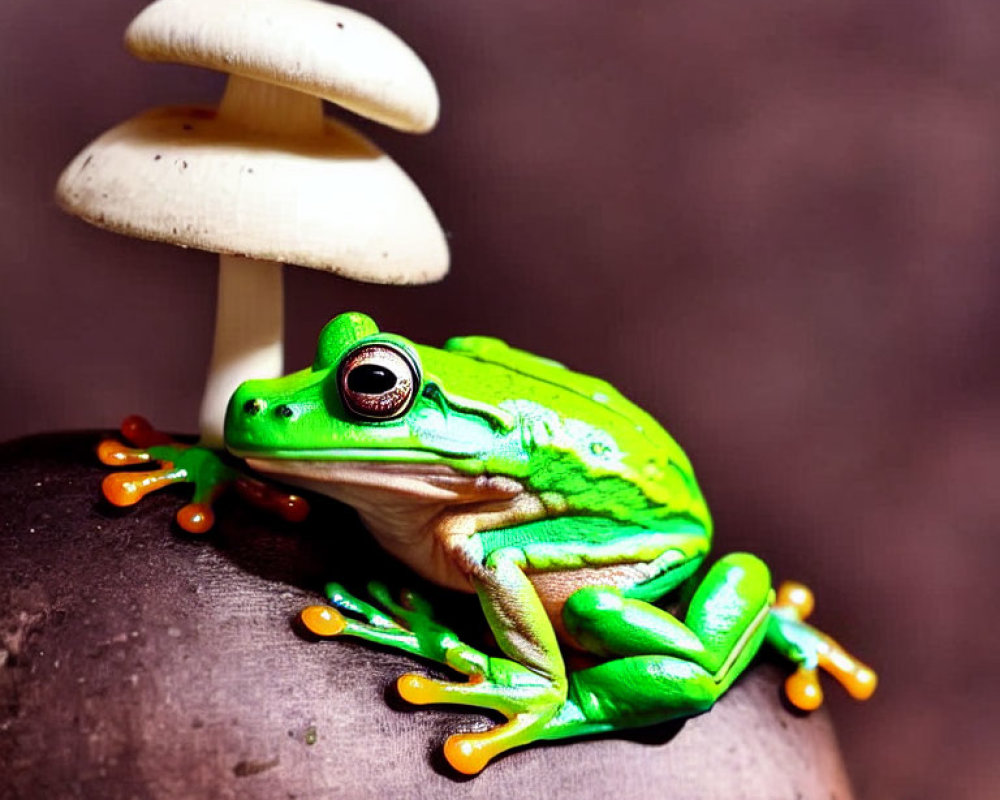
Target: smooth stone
[(138, 661)]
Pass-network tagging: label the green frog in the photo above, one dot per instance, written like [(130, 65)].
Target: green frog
[(570, 512)]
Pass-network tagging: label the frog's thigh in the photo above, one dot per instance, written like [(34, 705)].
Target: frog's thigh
[(630, 692), (724, 618)]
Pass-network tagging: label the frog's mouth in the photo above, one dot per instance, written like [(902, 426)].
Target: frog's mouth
[(351, 481)]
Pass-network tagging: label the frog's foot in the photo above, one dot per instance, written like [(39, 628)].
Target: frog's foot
[(183, 463), (525, 698), (469, 753), (529, 702), (408, 625), (812, 650)]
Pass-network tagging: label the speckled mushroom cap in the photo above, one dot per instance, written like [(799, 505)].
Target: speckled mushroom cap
[(317, 48), (331, 201)]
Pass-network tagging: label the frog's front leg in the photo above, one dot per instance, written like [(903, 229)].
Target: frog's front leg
[(529, 689), (409, 626), (205, 468)]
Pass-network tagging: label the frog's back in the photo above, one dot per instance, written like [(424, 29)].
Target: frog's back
[(595, 447), (490, 350)]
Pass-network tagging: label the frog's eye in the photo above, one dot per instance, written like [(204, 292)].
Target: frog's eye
[(377, 381)]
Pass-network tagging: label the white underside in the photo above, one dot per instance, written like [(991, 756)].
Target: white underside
[(413, 508), (406, 506)]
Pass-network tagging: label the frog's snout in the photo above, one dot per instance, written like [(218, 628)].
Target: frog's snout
[(258, 406), (252, 416)]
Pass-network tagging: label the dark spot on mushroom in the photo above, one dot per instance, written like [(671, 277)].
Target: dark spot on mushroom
[(184, 165), (173, 230), (188, 127), (157, 157), (385, 254), (250, 170), (86, 163), (340, 25), (104, 195)]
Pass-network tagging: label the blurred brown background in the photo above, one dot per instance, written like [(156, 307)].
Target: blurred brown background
[(772, 223)]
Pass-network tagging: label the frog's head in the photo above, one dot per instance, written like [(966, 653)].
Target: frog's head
[(366, 398)]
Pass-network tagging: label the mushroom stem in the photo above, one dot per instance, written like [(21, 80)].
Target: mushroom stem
[(249, 320), (249, 328), (267, 108)]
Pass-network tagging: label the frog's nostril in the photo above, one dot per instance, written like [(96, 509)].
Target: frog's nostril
[(283, 411), (253, 407)]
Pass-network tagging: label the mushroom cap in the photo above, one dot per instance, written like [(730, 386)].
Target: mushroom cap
[(333, 202), (320, 49)]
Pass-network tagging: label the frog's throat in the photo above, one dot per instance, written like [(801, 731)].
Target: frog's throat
[(405, 504), (359, 483)]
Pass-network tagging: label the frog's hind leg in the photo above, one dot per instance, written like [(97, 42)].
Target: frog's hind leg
[(664, 668), (811, 650), (630, 693), (725, 616)]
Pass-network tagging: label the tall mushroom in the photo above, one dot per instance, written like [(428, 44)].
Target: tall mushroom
[(265, 179)]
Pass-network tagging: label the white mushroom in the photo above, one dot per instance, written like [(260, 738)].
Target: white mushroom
[(307, 46), (265, 179)]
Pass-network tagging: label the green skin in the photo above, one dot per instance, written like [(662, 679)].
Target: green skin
[(567, 510)]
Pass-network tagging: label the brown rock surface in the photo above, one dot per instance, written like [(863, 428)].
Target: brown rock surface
[(137, 662)]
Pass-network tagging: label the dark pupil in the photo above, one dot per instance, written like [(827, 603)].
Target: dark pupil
[(370, 379)]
